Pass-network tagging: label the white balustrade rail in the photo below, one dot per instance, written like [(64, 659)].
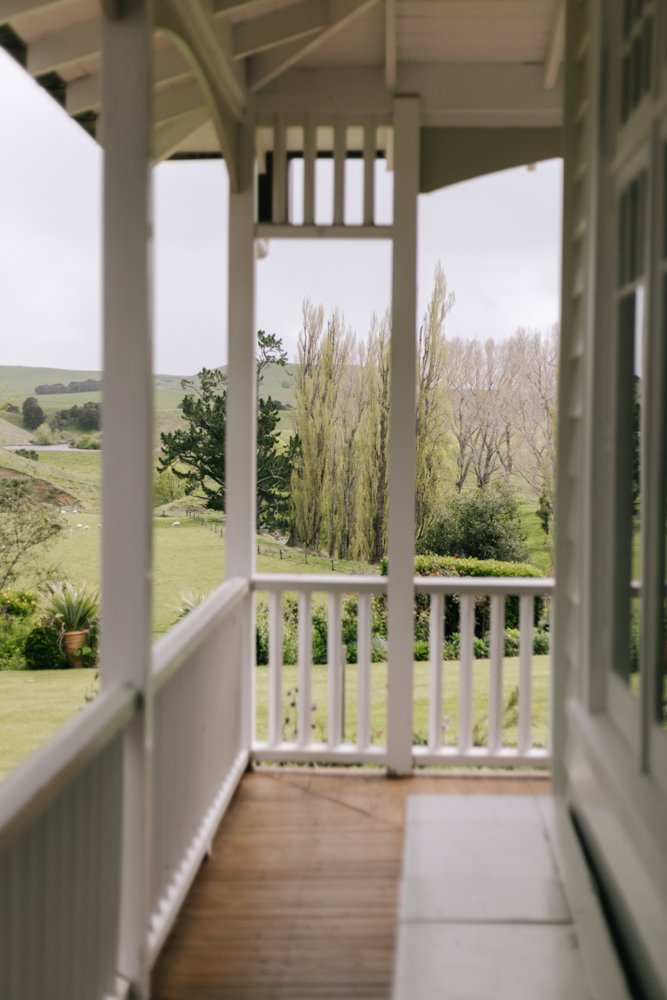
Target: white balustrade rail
[(200, 749), (473, 745), (492, 752), (335, 749), (60, 859)]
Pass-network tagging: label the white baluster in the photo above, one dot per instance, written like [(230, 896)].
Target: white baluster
[(435, 671), (496, 672), (363, 671)]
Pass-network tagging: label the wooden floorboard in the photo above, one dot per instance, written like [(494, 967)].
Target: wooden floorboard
[(299, 897)]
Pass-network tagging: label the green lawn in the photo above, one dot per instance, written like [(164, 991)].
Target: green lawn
[(33, 705), (420, 714)]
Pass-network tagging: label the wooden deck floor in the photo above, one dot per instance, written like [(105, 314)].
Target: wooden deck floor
[(299, 898)]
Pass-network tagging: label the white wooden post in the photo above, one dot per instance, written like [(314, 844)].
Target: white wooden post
[(401, 529), (240, 445), (127, 456)]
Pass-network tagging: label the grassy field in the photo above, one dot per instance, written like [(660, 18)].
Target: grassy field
[(420, 713), (34, 705)]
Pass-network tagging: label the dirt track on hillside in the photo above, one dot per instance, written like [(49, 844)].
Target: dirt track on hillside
[(47, 492)]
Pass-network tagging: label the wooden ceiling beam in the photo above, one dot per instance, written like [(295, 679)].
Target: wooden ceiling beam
[(65, 46), (556, 50), (390, 45), (285, 25), (84, 93), (168, 135), (17, 8), (268, 65)]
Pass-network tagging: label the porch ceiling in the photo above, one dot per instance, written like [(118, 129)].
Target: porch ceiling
[(474, 62)]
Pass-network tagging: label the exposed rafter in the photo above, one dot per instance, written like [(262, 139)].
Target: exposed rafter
[(269, 65), (285, 25), (556, 49), (175, 101), (390, 45), (15, 8), (83, 94), (169, 134), (60, 48), (238, 6)]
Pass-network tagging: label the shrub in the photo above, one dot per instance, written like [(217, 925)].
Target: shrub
[(17, 603), (13, 632), (42, 649), (511, 642), (28, 453), (431, 564), (88, 442), (481, 523), (421, 650), (289, 632), (480, 648), (541, 642)]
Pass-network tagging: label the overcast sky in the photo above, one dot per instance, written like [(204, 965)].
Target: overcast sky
[(498, 239)]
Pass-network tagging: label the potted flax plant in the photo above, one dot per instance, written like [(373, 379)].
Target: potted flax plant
[(75, 611)]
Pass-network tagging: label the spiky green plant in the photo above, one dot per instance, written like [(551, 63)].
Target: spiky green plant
[(72, 608)]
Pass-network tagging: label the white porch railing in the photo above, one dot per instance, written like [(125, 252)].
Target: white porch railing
[(61, 855), (200, 749), (60, 859), (357, 741), (61, 843)]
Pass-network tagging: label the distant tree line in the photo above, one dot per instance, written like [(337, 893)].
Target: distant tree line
[(85, 417), (58, 388)]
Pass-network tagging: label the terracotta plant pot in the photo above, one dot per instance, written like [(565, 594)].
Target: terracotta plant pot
[(73, 641)]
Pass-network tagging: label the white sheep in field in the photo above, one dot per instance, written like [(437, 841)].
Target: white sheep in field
[(175, 524)]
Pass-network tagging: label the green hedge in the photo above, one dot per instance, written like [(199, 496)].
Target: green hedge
[(430, 564)]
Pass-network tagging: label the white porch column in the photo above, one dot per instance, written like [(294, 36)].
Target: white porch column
[(127, 454), (240, 445), (402, 449)]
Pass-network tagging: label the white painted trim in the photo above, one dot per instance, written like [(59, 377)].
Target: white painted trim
[(556, 50), (350, 584), (16, 8), (194, 29), (177, 646), (451, 94), (271, 231), (451, 756), (402, 444), (318, 753), (390, 45), (598, 954), (84, 93), (162, 921), (266, 67), (262, 33), (63, 47), (172, 133), (633, 796), (29, 789), (338, 583), (127, 102), (241, 446)]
